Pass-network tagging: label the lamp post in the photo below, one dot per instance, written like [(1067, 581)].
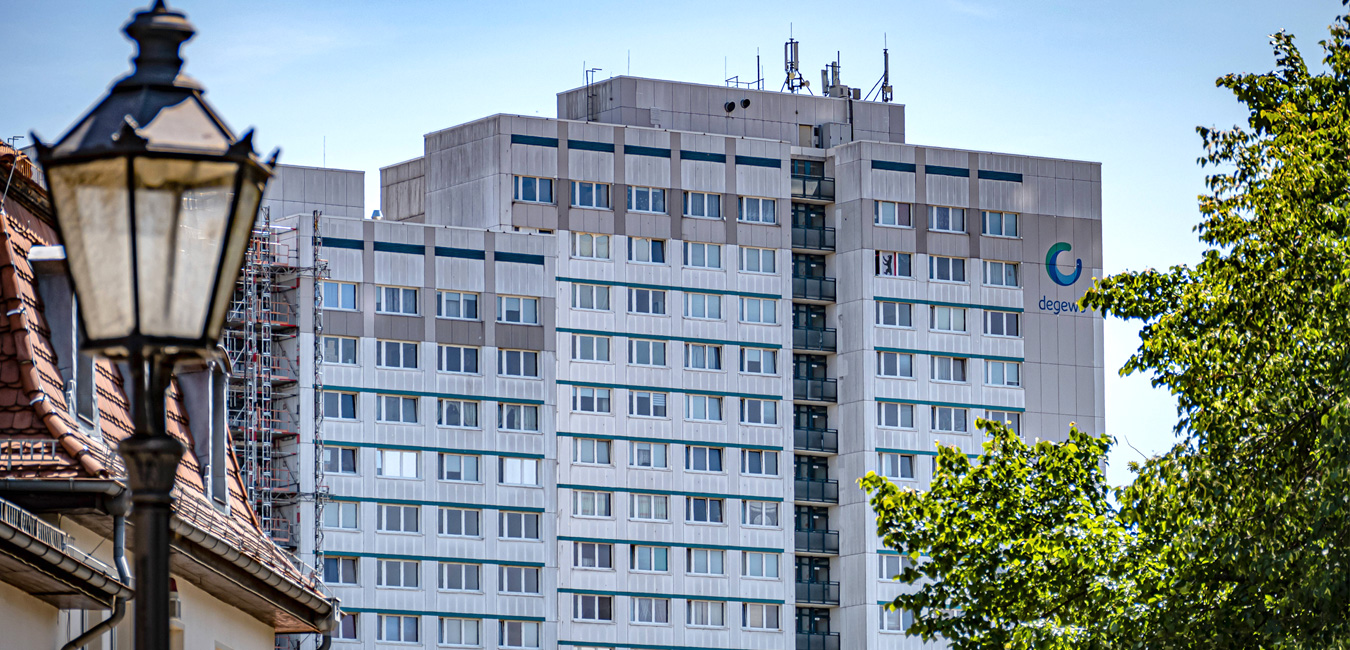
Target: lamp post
[(155, 199)]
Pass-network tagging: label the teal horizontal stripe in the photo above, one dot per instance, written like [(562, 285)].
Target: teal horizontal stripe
[(391, 247), (338, 242), (638, 542), (1011, 409), (416, 393), (989, 175), (755, 161), (673, 493), (411, 612), (632, 646), (702, 156), (639, 594), (435, 504), (965, 355), (428, 558), (939, 170), (664, 287), (587, 145), (655, 152), (682, 441), (913, 452), (535, 140), (442, 450), (657, 337), (462, 253), (891, 166), (519, 258), (939, 303), (662, 389)]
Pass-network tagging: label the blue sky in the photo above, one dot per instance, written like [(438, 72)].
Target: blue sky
[(1122, 83)]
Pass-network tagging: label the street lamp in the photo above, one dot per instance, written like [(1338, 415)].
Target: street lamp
[(155, 200)]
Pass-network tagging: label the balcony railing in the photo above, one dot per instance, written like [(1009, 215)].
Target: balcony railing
[(813, 288), (816, 490), (816, 239), (817, 641), (817, 541), (818, 390), (811, 439), (825, 339), (817, 593), (812, 188)]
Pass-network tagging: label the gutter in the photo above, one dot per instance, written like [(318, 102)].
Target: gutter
[(73, 485), (65, 562), (119, 509)]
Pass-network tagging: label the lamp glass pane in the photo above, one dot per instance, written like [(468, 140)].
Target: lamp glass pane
[(92, 204)]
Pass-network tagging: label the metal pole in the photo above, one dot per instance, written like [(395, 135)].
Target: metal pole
[(152, 458)]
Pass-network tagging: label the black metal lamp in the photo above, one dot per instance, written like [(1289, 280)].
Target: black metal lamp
[(155, 200)]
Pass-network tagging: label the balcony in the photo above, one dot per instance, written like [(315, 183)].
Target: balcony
[(816, 490), (813, 288), (812, 439), (813, 188), (824, 542), (817, 593), (822, 339), (817, 641), (815, 390), (815, 239)]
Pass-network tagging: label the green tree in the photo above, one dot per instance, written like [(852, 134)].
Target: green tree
[(1239, 536)]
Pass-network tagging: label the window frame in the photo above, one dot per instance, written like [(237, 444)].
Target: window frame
[(692, 300), (652, 194), (991, 364), (465, 407), (742, 214), (600, 196), (937, 362), (443, 354), (705, 199), (382, 300), (897, 304), (1005, 316), (382, 405), (635, 551), (652, 499), (380, 628), (883, 420), (635, 447), (900, 461), (503, 416), (443, 299), (1005, 267), (901, 262), (355, 295), (935, 214), (540, 182), (1003, 222), (689, 255), (764, 609), (760, 303), (383, 347), (579, 237), (764, 455), (935, 414), (402, 459), (503, 310), (746, 252), (635, 403), (443, 515), (952, 315), (933, 267), (596, 498), (578, 347), (652, 295), (877, 210), (714, 510), (654, 248), (442, 468), (765, 560), (341, 349), (748, 507), (634, 342), (900, 365), (579, 291), (504, 356), (503, 526)]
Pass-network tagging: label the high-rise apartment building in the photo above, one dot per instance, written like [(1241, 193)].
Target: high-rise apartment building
[(608, 380)]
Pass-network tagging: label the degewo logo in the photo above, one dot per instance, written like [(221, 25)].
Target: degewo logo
[(1052, 265)]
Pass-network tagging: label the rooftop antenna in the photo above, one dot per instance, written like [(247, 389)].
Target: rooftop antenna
[(792, 66), (887, 91), (589, 74), (757, 83), (829, 78)]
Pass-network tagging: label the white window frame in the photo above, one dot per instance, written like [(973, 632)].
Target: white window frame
[(539, 183), (702, 356), (703, 205), (996, 274), (589, 448), (598, 348), (519, 358), (888, 214), (656, 451), (761, 611), (599, 195), (655, 198), (463, 300), (386, 568), (592, 602), (706, 614), (749, 253), (990, 315), (519, 472), (383, 295), (936, 263), (635, 344), (714, 510), (340, 346), (528, 633), (657, 404), (656, 504), (334, 288), (657, 303), (752, 560), (893, 465), (591, 297), (954, 218), (467, 410), (759, 216), (460, 516), (346, 513), (462, 625), (527, 309), (646, 250), (712, 459), (407, 352), (505, 579), (343, 576), (761, 514), (898, 309), (398, 463), (1012, 419), (703, 408), (893, 264), (753, 412), (338, 397), (709, 254), (752, 357), (892, 412), (504, 525), (942, 318), (763, 307), (382, 511), (402, 627), (445, 352), (649, 553), (902, 362), (596, 242), (599, 400), (946, 369), (1002, 220), (1007, 374), (657, 610), (702, 306), (383, 402), (895, 620), (959, 424), (768, 459), (593, 504), (334, 465), (504, 410), (579, 556), (712, 562), (470, 468)]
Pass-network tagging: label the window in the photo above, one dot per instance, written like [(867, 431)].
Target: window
[(759, 310), (457, 522), (339, 350), (757, 210), (759, 513), (646, 251), (340, 514), (706, 408), (457, 359), (518, 417), (703, 459), (895, 314), (586, 347), (647, 454), (339, 460), (518, 634), (1000, 274), (457, 413), (759, 260), (890, 566), (397, 629), (702, 256), (949, 369), (346, 629), (396, 409), (518, 525), (888, 213), (393, 463), (454, 576), (518, 363), (891, 264), (518, 471), (391, 518), (515, 309), (895, 466), (946, 219), (646, 199), (946, 269), (896, 620), (590, 195), (341, 406), (1002, 323), (759, 361), (948, 419), (590, 503), (701, 204), (705, 561), (338, 295), (759, 411), (644, 352), (702, 305), (698, 356), (518, 579), (1002, 373), (339, 570), (655, 611), (533, 190), (586, 607), (399, 574), (895, 416), (1010, 419), (654, 559), (590, 400), (759, 462), (590, 555), (592, 297), (396, 300), (647, 301), (457, 467), (947, 319), (757, 616), (703, 510), (396, 354), (590, 247), (458, 631), (706, 613), (590, 451), (644, 404), (895, 364), (759, 565), (1000, 224), (650, 507), (457, 304)]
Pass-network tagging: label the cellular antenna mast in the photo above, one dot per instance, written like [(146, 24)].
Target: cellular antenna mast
[(884, 84), (792, 66)]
